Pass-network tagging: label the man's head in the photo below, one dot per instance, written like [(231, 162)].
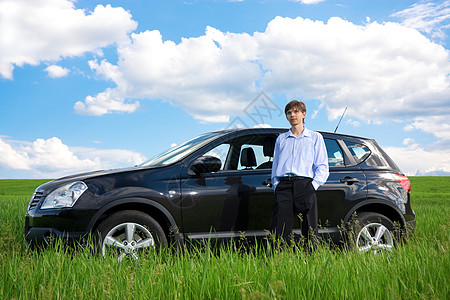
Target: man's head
[(295, 112)]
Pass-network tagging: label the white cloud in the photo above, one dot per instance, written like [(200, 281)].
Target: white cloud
[(110, 158), (47, 30), (316, 112), (352, 122), (436, 125), (414, 160), (11, 158), (51, 158), (211, 76), (427, 16), (106, 102), (380, 71), (408, 141), (55, 71), (262, 126)]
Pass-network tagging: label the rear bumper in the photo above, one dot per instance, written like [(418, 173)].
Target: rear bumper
[(410, 227)]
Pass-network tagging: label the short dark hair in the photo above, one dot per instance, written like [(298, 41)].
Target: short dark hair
[(295, 103)]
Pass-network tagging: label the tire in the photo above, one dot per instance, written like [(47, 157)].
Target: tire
[(129, 233), (372, 232)]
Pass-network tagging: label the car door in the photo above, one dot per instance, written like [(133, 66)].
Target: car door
[(236, 200), (345, 186)]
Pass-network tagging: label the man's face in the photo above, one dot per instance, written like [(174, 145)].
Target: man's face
[(295, 116)]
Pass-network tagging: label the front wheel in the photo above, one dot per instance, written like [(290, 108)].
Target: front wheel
[(373, 232), (128, 234)]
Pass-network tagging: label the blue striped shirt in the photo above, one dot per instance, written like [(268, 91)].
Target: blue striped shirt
[(305, 155)]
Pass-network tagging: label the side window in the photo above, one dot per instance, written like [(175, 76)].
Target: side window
[(221, 152), (359, 152), (247, 152), (335, 157), (251, 157)]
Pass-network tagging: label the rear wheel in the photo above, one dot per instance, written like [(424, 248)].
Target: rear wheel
[(129, 234), (373, 232)]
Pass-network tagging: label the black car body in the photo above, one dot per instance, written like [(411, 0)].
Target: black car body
[(218, 186)]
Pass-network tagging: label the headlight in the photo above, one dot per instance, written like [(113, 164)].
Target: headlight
[(64, 196)]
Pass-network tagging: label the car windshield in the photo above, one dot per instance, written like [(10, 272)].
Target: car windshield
[(180, 151)]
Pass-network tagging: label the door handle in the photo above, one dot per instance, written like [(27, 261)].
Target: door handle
[(349, 180), (267, 182)]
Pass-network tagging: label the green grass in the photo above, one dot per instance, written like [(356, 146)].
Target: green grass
[(418, 270)]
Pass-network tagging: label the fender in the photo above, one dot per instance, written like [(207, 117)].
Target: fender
[(145, 201), (374, 201)]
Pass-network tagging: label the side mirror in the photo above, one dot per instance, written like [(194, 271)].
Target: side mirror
[(204, 164)]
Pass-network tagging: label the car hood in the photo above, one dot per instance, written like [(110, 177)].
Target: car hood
[(51, 185)]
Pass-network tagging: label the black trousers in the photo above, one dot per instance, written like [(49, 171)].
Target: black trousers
[(296, 198)]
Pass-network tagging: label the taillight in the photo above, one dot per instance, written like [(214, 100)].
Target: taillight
[(404, 181)]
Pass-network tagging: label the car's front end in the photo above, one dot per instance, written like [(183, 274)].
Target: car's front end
[(50, 213), (72, 207)]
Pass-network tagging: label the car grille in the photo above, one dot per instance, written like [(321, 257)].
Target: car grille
[(35, 200)]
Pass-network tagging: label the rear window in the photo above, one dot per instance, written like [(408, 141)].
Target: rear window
[(372, 158), (359, 152), (387, 159)]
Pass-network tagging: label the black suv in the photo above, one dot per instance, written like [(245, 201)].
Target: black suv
[(217, 186)]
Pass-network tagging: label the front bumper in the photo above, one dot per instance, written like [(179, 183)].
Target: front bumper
[(40, 236), (42, 229)]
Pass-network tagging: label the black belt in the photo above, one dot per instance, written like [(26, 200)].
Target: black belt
[(293, 178)]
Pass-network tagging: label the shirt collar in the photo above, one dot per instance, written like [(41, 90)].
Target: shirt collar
[(306, 133)]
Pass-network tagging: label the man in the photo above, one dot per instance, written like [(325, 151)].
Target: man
[(300, 166)]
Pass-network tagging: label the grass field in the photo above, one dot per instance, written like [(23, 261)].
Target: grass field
[(418, 270)]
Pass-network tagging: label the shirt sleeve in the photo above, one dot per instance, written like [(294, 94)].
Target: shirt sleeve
[(320, 164), (276, 154)]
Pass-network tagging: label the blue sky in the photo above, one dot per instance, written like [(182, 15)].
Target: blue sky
[(88, 85)]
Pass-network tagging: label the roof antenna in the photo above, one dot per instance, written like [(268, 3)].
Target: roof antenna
[(340, 119)]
